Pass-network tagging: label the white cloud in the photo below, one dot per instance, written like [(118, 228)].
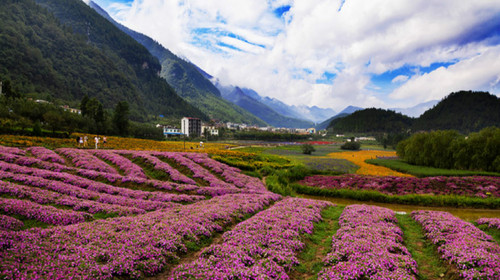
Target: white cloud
[(400, 79), (481, 72), (364, 38)]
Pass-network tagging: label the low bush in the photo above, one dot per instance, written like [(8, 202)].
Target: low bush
[(352, 146)]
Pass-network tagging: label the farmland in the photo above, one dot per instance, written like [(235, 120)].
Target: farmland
[(157, 211)]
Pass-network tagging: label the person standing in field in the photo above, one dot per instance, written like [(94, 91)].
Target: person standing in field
[(85, 140), (96, 140), (104, 140)]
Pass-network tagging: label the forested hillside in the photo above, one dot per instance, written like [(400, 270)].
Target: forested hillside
[(372, 120), (62, 50), (465, 111)]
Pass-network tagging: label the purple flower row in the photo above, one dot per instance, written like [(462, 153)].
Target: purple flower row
[(198, 171), (161, 185), (158, 164), (97, 186), (368, 245), (491, 222), (45, 154), (42, 213), (230, 174), (126, 247), (9, 223), (127, 166), (262, 247), (87, 194), (473, 252), (478, 186), (12, 150), (42, 196), (84, 159)]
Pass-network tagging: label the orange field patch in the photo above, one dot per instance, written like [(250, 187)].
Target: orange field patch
[(359, 157)]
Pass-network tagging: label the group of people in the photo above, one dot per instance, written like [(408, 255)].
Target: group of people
[(82, 142)]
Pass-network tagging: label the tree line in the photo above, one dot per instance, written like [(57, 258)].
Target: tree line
[(450, 149), (20, 115)]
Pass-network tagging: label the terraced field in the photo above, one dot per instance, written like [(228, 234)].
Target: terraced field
[(123, 214)]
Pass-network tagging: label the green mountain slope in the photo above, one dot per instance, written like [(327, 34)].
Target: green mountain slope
[(187, 80), (62, 50), (465, 111), (372, 120)]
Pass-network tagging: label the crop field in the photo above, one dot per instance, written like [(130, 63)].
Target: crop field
[(135, 214)]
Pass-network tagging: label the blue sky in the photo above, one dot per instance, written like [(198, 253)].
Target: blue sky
[(330, 53)]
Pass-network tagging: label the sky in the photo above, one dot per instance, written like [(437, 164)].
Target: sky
[(330, 53)]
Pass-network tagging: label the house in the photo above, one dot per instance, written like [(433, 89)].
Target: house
[(311, 130), (209, 130), (191, 127), (169, 131), (71, 110)]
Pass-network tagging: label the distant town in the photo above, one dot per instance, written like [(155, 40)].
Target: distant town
[(194, 127)]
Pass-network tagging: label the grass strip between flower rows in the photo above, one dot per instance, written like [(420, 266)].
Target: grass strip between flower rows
[(318, 245), (430, 266)]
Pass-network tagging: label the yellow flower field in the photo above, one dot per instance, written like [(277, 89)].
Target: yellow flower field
[(118, 143), (359, 157)]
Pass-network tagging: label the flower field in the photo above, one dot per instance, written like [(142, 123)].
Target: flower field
[(68, 213), (474, 253), (476, 186), (359, 157), (368, 245)]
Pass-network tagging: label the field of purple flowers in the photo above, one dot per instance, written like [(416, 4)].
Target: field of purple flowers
[(473, 186), (100, 214)]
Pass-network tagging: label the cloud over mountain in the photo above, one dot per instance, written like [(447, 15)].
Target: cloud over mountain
[(330, 53)]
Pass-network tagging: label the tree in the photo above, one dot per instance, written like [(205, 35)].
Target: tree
[(307, 149), (83, 105), (54, 119), (120, 118), (37, 129), (8, 91)]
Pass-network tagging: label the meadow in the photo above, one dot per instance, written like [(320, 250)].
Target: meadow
[(158, 212)]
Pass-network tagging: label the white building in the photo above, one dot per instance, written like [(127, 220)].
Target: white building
[(209, 130), (169, 131), (191, 127)]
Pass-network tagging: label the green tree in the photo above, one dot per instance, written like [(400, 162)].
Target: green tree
[(307, 149), (83, 105), (121, 118), (54, 119), (8, 91), (37, 129)]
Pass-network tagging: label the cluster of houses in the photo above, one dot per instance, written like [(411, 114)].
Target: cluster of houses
[(194, 127)]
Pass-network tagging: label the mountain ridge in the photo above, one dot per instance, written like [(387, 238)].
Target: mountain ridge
[(57, 50)]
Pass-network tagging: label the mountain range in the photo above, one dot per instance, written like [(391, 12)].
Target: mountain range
[(62, 50)]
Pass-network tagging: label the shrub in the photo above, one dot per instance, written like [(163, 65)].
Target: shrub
[(353, 145), (307, 149)]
